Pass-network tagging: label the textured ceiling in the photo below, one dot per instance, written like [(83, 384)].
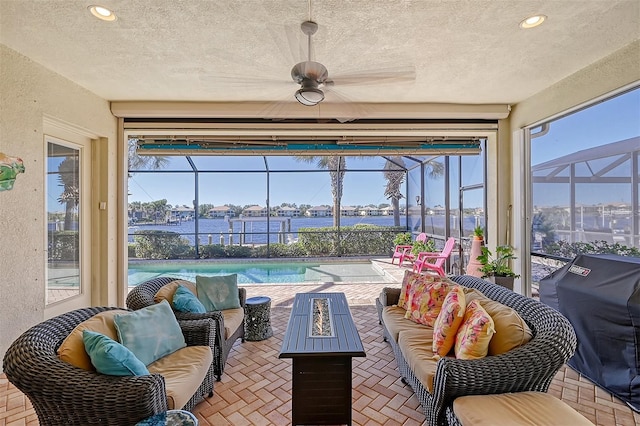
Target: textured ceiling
[(469, 52)]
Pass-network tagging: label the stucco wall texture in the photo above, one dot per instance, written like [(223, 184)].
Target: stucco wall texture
[(28, 92)]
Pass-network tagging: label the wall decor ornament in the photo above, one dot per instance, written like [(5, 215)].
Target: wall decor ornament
[(10, 167)]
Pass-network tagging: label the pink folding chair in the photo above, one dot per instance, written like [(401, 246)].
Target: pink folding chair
[(434, 261), (403, 252)]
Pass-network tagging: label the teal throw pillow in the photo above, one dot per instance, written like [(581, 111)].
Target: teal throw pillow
[(110, 357), (185, 301), (218, 293), (150, 333)]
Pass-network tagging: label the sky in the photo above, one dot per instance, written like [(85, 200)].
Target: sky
[(610, 121), (312, 187)]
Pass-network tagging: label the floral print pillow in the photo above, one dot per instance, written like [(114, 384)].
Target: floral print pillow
[(407, 281), (474, 335), (448, 321), (426, 298)]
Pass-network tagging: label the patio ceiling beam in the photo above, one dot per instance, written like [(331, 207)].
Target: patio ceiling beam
[(328, 110)]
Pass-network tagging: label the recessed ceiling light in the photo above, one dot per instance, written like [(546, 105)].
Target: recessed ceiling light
[(532, 21), (102, 13)]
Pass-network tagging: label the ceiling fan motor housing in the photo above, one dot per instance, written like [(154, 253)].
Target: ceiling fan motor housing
[(309, 70)]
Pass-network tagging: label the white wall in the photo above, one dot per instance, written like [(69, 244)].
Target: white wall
[(28, 92)]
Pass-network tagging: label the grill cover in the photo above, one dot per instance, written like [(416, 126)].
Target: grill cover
[(600, 295)]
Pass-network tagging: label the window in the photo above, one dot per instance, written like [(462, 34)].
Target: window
[(584, 176), (64, 221)]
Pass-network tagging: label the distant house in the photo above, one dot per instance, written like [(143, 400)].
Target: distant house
[(319, 211), (348, 211), (288, 212), (182, 212), (221, 211), (255, 211), (439, 210), (370, 211), (386, 211)]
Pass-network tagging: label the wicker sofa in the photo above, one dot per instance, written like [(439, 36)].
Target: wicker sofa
[(229, 323), (529, 367), (64, 394)]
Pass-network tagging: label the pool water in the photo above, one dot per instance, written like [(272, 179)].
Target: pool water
[(255, 273)]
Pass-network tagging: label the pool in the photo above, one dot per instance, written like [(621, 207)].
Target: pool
[(260, 273)]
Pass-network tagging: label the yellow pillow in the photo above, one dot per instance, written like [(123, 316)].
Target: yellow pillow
[(167, 291), (511, 330), (426, 298), (72, 348), (449, 319), (472, 340)]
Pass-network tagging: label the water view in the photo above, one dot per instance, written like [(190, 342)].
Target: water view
[(213, 229)]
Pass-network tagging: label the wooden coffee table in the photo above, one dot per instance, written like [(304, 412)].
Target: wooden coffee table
[(321, 338)]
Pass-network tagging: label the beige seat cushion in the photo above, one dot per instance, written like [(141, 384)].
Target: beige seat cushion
[(511, 330), (167, 291), (516, 409), (394, 320), (232, 320), (183, 372), (232, 317), (72, 348), (417, 348)]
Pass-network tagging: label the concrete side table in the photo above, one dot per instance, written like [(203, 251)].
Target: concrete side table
[(257, 318)]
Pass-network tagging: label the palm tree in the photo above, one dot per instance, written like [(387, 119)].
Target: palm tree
[(68, 176), (394, 173), (336, 166)]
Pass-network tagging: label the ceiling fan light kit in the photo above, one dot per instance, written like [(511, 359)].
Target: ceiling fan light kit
[(309, 94)]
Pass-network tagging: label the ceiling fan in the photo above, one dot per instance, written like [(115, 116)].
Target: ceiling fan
[(312, 76), (309, 74)]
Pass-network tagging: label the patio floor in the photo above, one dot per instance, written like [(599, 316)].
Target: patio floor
[(256, 386)]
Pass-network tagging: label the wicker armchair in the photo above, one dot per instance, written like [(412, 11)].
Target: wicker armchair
[(143, 295), (63, 394), (530, 367)]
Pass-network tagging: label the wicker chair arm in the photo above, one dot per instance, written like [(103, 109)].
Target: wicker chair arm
[(528, 368), (190, 316), (199, 332), (77, 396), (143, 295), (389, 296)]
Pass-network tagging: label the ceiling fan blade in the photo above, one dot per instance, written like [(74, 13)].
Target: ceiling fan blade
[(392, 75)]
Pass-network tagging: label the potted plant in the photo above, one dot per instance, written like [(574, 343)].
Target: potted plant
[(478, 233), (420, 246), (473, 268), (496, 268), (403, 239)]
